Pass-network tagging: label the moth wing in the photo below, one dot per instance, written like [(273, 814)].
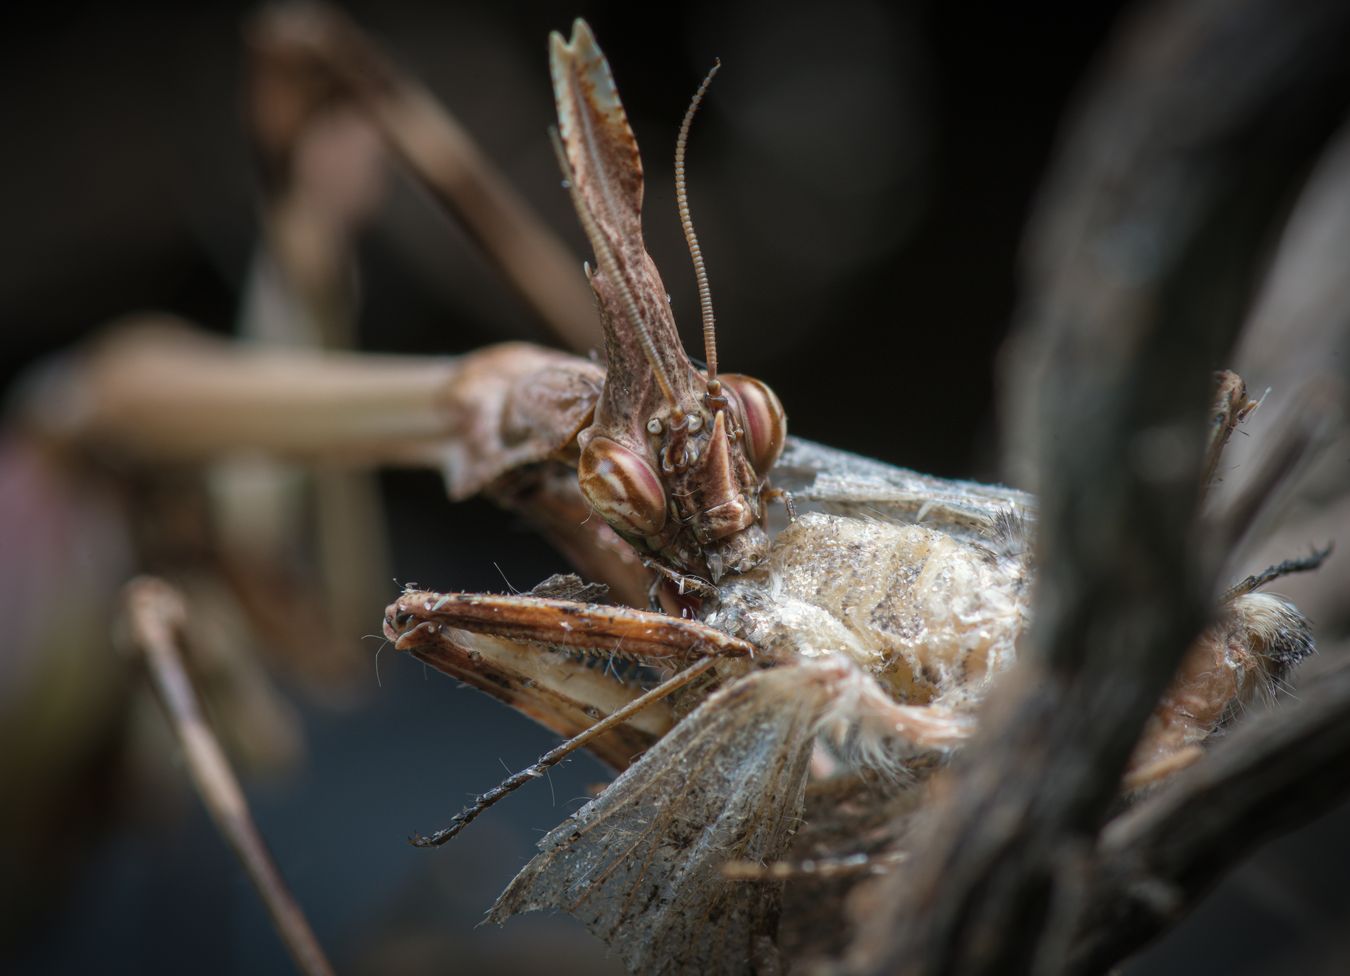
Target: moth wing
[(847, 484), (641, 864)]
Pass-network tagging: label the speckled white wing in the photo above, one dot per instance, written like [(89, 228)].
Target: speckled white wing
[(641, 864), (831, 480)]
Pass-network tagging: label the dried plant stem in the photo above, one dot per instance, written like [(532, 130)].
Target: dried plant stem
[(1120, 337), (554, 756), (1277, 772), (156, 615)]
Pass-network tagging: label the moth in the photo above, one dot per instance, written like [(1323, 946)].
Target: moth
[(819, 661)]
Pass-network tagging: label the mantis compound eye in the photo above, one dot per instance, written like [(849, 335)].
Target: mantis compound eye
[(765, 421), (622, 487)]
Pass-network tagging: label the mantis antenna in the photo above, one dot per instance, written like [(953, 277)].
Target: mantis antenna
[(609, 267), (687, 222)]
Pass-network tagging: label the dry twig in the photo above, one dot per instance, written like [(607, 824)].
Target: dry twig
[(1273, 774)]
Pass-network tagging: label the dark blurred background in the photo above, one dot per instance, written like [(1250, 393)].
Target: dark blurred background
[(860, 176)]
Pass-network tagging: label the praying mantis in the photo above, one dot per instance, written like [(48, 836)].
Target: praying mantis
[(888, 632), (676, 467)]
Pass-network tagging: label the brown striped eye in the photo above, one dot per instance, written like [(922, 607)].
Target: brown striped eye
[(765, 421), (623, 487)]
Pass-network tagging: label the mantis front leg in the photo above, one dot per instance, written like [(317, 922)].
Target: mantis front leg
[(475, 637)]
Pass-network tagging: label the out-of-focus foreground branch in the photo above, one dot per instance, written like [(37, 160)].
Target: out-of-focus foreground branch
[(1271, 775), (1297, 343), (1142, 258)]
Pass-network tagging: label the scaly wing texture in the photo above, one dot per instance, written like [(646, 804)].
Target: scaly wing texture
[(848, 484), (641, 864)]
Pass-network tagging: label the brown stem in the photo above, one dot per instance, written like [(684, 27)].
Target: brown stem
[(156, 615), (1275, 773)]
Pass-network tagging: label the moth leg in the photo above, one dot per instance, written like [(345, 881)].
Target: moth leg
[(771, 495), (671, 592), (559, 753), (1230, 407), (872, 721), (654, 593), (684, 584)]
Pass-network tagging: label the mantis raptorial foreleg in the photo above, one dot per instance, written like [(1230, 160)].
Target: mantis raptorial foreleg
[(486, 628)]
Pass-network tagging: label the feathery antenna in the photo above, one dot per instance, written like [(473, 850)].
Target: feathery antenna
[(687, 222), (609, 267)]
